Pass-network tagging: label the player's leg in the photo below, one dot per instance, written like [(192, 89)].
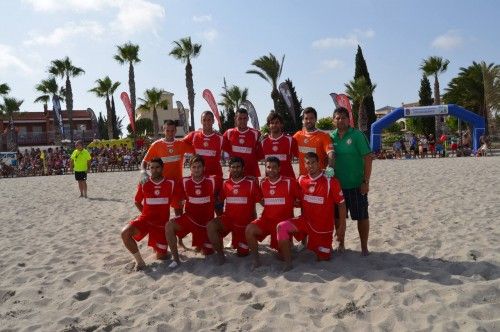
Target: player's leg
[(252, 232), (128, 234), (364, 230), (171, 228), (284, 232), (214, 231)]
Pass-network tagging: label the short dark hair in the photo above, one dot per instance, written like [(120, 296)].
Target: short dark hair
[(158, 161), (234, 160), (207, 113), (241, 111), (310, 110), (342, 111), (196, 159), (273, 159), (311, 155), (169, 123), (273, 116)]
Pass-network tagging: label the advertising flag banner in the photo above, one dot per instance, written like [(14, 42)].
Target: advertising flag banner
[(251, 113), (343, 101), (287, 97), (56, 107), (334, 98), (128, 106), (209, 97), (182, 116)]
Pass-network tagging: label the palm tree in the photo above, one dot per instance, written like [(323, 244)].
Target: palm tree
[(269, 68), (233, 97), (129, 53), (9, 107), (104, 88), (152, 100), (65, 69), (116, 122), (4, 89), (433, 66), (184, 50), (477, 88), (48, 89), (359, 89)]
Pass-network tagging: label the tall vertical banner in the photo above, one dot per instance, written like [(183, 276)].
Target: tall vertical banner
[(209, 97), (252, 113), (287, 97), (128, 106), (343, 101), (334, 98), (182, 116), (56, 107)]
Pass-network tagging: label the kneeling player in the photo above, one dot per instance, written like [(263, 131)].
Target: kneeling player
[(319, 195), (240, 194), (279, 197), (153, 199), (199, 192)]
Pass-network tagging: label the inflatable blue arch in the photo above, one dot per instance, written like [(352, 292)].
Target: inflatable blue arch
[(477, 122)]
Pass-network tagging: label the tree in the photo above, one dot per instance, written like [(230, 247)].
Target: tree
[(269, 69), (64, 68), (291, 125), (143, 125), (129, 53), (233, 97), (228, 114), (433, 66), (10, 106), (152, 100), (184, 50), (359, 89), (325, 123), (4, 89), (104, 89), (423, 125), (48, 89), (117, 126), (361, 70), (102, 127), (477, 88)]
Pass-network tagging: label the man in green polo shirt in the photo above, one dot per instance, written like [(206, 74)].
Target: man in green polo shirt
[(80, 163), (353, 167)]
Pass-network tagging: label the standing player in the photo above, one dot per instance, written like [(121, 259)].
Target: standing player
[(319, 196), (279, 145), (80, 163), (152, 199), (311, 139), (279, 197), (199, 192), (243, 142), (240, 194)]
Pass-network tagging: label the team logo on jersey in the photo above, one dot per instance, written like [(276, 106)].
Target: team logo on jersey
[(241, 141), (311, 189), (272, 192), (275, 148), (235, 191), (157, 192), (170, 150), (306, 140), (349, 141), (197, 192), (205, 144)]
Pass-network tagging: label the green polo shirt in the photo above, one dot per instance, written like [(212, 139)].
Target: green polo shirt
[(80, 159), (349, 157)]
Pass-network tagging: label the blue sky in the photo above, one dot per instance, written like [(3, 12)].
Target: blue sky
[(319, 39)]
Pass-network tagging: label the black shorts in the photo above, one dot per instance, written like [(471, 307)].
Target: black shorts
[(356, 204), (80, 176)]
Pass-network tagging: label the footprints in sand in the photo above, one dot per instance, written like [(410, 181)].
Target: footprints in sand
[(81, 296), (6, 294)]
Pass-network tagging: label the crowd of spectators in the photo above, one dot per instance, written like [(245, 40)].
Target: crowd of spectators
[(55, 161)]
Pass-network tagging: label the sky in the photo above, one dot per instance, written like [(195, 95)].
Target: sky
[(318, 38)]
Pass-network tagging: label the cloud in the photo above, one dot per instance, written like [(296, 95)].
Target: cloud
[(209, 35), (202, 18), (74, 5), (9, 60), (332, 64), (448, 41), (66, 32), (351, 40)]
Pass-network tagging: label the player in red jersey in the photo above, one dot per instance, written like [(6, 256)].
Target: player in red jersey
[(153, 200), (319, 197), (240, 194), (199, 193), (243, 142), (280, 194), (279, 145)]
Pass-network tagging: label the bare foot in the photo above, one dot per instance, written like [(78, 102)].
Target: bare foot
[(365, 252), (140, 266), (341, 248), (255, 264), (220, 259)]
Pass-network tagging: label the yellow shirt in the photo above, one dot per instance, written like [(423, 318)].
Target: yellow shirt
[(80, 159)]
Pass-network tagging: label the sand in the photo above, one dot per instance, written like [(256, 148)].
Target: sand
[(434, 263)]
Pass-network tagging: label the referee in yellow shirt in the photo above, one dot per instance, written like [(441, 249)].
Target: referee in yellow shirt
[(80, 163)]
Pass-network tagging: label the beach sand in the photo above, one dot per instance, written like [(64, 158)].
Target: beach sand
[(434, 263)]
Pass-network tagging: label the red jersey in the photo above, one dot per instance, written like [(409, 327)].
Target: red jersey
[(319, 195), (318, 142), (209, 147), (279, 198), (240, 198), (172, 155), (156, 198), (246, 145), (283, 148), (200, 199)]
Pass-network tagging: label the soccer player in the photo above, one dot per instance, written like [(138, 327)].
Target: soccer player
[(319, 196), (152, 199), (280, 194), (80, 163), (199, 192), (279, 145), (243, 142), (311, 139), (240, 194)]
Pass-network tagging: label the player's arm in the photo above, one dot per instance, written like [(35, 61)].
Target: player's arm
[(365, 186), (340, 224), (139, 196), (139, 206)]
